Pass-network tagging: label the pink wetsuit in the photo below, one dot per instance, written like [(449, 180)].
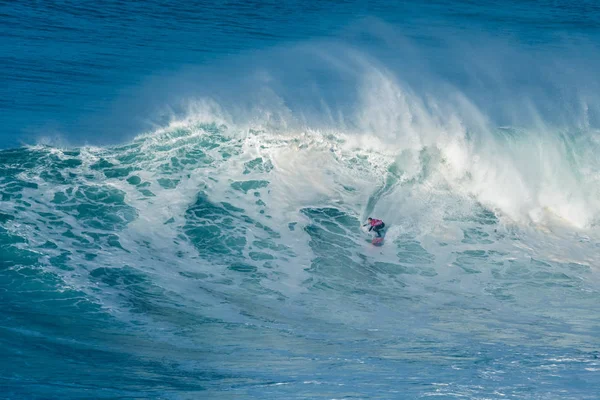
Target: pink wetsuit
[(376, 222)]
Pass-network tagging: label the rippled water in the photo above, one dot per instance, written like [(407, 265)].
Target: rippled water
[(196, 233)]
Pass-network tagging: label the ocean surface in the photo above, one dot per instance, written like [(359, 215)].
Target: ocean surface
[(183, 184)]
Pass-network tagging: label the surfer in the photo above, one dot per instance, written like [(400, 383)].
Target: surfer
[(376, 225)]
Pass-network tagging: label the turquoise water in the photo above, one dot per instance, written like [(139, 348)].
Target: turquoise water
[(183, 187)]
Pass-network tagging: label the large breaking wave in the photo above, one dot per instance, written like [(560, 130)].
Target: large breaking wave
[(231, 237)]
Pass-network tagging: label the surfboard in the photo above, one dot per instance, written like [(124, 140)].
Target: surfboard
[(378, 241)]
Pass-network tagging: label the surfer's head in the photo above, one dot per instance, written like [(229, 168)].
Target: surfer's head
[(370, 219)]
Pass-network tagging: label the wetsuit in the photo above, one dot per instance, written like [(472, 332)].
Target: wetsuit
[(376, 225)]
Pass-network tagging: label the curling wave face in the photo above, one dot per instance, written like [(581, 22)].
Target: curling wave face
[(214, 255)]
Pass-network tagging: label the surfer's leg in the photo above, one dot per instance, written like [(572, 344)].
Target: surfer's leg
[(379, 228)]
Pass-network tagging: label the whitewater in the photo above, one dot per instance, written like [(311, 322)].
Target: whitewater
[(220, 253)]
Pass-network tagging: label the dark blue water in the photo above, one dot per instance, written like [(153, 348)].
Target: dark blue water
[(74, 69), (182, 188)]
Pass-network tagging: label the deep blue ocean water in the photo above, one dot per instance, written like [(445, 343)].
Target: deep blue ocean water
[(183, 184)]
